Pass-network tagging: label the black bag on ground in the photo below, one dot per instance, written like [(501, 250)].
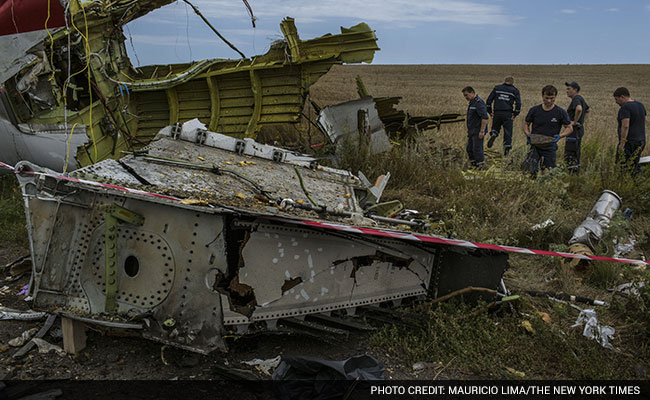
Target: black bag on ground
[(316, 378)]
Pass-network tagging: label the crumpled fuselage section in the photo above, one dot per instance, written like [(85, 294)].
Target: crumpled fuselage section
[(200, 236), (83, 77)]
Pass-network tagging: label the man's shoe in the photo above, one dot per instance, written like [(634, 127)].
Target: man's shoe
[(493, 137)]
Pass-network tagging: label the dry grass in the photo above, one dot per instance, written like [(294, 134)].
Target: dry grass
[(435, 89)]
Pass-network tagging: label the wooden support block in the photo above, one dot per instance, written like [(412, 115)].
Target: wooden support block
[(74, 335)]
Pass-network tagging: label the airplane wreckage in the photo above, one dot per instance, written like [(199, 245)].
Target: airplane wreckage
[(174, 221)]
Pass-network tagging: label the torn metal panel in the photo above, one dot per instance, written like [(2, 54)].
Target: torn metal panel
[(341, 124), (14, 49), (297, 271), (48, 144), (164, 264), (213, 249), (400, 124)]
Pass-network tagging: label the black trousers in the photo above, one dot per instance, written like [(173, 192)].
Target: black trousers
[(572, 149), (475, 149), (503, 120), (544, 155), (631, 154)]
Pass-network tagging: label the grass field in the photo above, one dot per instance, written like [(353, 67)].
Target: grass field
[(436, 89), (501, 205)]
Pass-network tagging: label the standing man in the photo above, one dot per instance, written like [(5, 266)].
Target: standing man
[(477, 119), (542, 129), (578, 109), (504, 96), (631, 130)]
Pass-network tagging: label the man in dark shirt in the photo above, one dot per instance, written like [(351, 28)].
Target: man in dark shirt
[(542, 129), (477, 119), (578, 109), (503, 96), (631, 130)]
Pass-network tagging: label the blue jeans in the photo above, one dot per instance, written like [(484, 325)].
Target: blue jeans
[(475, 149)]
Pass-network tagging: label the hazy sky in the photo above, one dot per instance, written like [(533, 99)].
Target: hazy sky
[(411, 32)]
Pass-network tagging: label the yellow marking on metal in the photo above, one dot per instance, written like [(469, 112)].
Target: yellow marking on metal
[(256, 87), (215, 103), (172, 100)]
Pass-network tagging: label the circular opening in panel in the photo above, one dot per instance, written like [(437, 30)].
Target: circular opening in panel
[(131, 266)]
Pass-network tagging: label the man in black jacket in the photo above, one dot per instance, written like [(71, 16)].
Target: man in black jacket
[(504, 97)]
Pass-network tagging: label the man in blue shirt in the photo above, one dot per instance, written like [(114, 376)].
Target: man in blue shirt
[(477, 119), (631, 130), (578, 109), (504, 97), (543, 125)]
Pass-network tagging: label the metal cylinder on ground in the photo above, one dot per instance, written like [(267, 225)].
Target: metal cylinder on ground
[(590, 231)]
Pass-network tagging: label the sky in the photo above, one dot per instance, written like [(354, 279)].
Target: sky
[(409, 32)]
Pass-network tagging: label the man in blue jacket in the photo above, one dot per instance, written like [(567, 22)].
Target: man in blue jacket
[(543, 125), (578, 109), (631, 130), (477, 119), (504, 97)]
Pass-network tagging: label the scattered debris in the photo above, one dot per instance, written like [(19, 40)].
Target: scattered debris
[(11, 314), (40, 334), (24, 338), (545, 317), (528, 327), (513, 371), (354, 123), (24, 291), (567, 297), (400, 125), (45, 347), (593, 330), (422, 365), (264, 366), (629, 289), (542, 225), (20, 266)]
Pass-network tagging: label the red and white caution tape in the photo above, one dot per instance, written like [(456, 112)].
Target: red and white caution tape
[(92, 183), (371, 231), (456, 242)]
